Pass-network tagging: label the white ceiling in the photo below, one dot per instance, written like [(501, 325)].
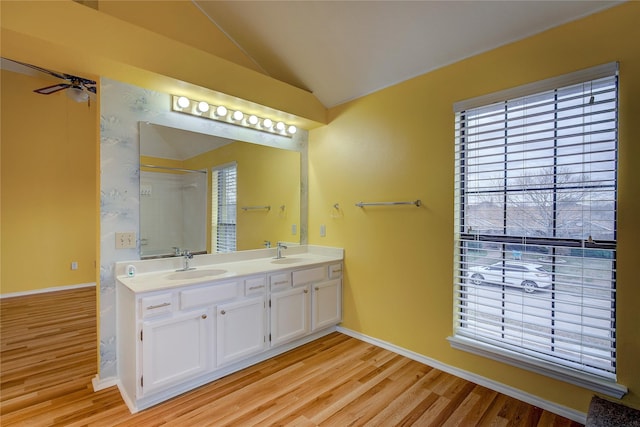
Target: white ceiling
[(341, 50), (176, 144)]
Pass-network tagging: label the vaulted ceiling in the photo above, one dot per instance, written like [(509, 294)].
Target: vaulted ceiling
[(341, 50)]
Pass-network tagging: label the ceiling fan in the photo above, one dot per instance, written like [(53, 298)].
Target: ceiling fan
[(78, 88)]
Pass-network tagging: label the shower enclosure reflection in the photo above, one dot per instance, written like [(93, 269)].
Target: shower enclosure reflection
[(175, 212)]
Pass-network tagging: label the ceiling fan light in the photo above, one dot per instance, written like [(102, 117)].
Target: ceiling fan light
[(77, 94)]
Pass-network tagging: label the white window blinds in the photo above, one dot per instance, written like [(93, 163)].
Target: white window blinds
[(535, 236), (223, 209)]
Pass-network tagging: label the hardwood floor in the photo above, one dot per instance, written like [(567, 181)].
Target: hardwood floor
[(48, 358)]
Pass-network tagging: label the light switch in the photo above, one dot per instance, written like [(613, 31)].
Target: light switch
[(126, 240), (294, 229), (323, 230)]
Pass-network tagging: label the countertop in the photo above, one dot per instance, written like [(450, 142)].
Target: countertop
[(159, 274)]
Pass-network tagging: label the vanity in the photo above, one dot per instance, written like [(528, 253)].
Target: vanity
[(178, 330)]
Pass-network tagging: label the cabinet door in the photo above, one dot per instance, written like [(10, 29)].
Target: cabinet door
[(175, 349), (290, 316), (326, 304), (240, 328)]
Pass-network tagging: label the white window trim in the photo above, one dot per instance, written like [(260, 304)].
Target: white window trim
[(592, 73), (591, 382), (501, 354)]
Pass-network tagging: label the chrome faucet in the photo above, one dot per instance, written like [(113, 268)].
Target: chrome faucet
[(279, 249), (177, 251), (267, 243), (187, 256)]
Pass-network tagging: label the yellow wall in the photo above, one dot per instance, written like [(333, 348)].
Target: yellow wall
[(66, 36), (48, 187), (397, 144), (171, 18), (394, 144), (266, 176)]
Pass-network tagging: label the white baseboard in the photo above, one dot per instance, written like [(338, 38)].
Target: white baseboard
[(46, 290), (99, 384), (531, 399)]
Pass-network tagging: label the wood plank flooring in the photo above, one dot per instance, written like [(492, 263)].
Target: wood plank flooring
[(48, 358)]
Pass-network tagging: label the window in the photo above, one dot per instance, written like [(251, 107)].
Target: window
[(223, 208), (535, 227)]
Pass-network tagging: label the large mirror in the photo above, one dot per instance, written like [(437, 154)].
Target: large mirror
[(210, 194)]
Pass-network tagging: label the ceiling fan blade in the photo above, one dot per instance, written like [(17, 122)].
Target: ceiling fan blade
[(52, 89), (43, 70)]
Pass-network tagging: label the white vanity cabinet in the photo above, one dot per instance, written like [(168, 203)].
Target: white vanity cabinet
[(168, 338), (289, 311), (313, 301), (241, 325), (326, 297), (175, 337), (174, 349)]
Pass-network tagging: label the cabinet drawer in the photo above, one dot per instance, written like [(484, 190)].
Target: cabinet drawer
[(208, 295), (309, 275), (255, 286), (335, 271), (156, 305), (280, 281)]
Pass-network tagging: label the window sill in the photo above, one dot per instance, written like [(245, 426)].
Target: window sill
[(591, 382)]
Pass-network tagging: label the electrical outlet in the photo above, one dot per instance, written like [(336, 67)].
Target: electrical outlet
[(126, 240), (323, 230), (294, 229), (74, 265)]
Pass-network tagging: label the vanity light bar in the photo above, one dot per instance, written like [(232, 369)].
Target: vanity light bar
[(182, 104)]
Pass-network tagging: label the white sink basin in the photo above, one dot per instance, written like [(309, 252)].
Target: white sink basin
[(195, 274), (287, 260)]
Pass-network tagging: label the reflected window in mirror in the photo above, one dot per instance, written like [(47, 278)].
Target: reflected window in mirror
[(223, 207)]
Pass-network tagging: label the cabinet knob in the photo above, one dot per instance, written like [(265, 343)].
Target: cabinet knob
[(204, 316), (223, 312)]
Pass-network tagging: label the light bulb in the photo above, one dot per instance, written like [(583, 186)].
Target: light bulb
[(280, 126), (183, 102), (253, 120), (237, 115), (203, 107), (267, 123), (292, 129), (221, 111)]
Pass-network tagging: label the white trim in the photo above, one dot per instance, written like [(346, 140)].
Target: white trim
[(580, 76), (99, 384), (127, 400), (531, 399), (46, 290), (522, 361), (224, 166)]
